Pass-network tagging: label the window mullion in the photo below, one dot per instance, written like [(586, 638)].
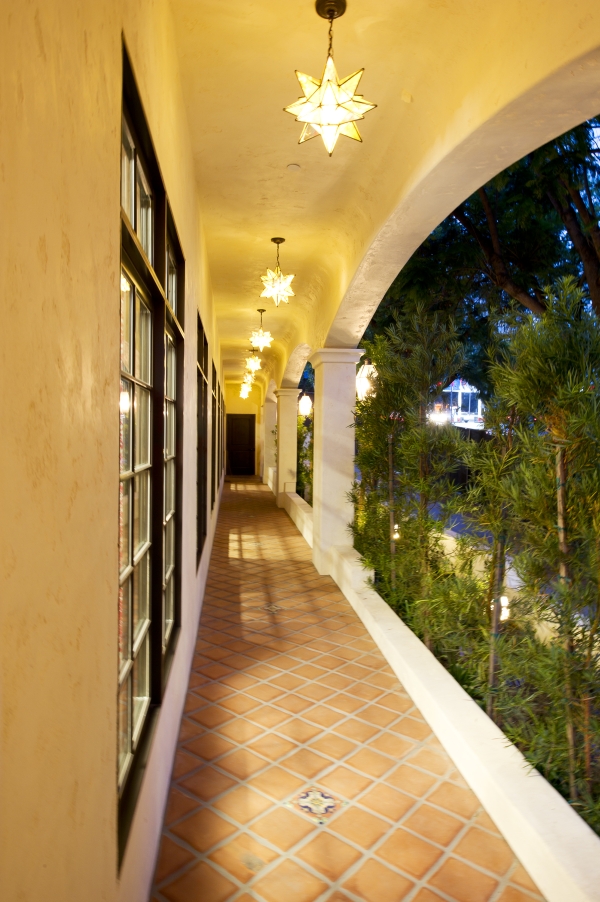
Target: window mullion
[(158, 431)]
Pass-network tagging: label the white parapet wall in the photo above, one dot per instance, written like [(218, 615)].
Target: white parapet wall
[(301, 513), (558, 849)]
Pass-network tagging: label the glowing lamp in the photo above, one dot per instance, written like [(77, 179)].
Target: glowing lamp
[(304, 406), (439, 417), (244, 391), (329, 107), (364, 385), (259, 338), (253, 363), (276, 285)]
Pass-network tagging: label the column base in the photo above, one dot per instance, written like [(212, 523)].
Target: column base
[(321, 561), (287, 487)]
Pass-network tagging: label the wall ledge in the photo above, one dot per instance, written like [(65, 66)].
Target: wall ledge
[(554, 844), (301, 513)]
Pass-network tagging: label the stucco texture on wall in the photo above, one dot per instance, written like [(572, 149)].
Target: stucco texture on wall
[(60, 105)]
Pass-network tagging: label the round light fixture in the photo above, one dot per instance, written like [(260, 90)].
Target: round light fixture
[(304, 405)]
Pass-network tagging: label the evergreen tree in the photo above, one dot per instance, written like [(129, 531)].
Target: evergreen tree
[(405, 460), (532, 224)]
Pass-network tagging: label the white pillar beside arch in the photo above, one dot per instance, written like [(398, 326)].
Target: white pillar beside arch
[(287, 441), (269, 447), (333, 461)]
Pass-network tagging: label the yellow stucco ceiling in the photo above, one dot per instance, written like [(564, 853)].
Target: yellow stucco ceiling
[(440, 71)]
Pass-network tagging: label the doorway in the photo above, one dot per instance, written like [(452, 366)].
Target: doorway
[(241, 444)]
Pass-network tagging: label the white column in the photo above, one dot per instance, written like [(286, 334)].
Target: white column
[(333, 462), (287, 441), (269, 422)]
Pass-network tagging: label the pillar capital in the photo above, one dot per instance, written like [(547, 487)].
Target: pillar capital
[(287, 392), (335, 355)]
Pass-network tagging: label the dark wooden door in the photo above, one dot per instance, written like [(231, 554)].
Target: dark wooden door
[(241, 447)]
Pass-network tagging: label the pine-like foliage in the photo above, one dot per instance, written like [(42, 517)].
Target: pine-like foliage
[(304, 458), (550, 375), (532, 501), (406, 462)]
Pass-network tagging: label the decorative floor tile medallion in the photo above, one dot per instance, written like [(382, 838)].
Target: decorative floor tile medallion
[(272, 608), (316, 804)]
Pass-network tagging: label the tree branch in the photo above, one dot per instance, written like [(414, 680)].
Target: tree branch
[(491, 250), (589, 257), (589, 221)]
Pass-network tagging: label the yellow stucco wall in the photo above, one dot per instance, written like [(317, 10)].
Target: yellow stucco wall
[(60, 107)]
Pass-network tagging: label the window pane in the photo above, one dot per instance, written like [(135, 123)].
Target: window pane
[(124, 623), (124, 727), (143, 345), (172, 280), (143, 224), (141, 684), (169, 608), (141, 510), (127, 172), (169, 429), (126, 311), (141, 593), (125, 426), (169, 488), (142, 427), (124, 532), (169, 545), (170, 368)]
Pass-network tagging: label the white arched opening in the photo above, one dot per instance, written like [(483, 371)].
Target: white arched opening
[(556, 104)]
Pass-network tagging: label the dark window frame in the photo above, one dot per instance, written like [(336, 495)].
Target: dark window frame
[(202, 358), (213, 440), (150, 272)]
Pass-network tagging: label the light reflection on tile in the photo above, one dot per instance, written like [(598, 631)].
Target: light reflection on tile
[(291, 704)]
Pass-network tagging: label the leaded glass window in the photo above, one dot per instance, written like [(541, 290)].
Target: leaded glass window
[(135, 508), (170, 477)]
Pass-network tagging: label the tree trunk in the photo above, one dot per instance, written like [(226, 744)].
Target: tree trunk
[(561, 506), (423, 505), (391, 509), (499, 564)]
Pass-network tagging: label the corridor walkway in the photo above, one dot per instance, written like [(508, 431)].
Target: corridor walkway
[(304, 773)]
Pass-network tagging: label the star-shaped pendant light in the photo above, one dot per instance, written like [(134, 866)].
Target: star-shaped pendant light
[(253, 362), (261, 339), (277, 286), (330, 107), (244, 391)]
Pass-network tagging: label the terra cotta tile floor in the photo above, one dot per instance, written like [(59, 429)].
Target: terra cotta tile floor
[(304, 772)]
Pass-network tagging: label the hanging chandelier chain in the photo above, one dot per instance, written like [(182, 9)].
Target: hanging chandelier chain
[(330, 51)]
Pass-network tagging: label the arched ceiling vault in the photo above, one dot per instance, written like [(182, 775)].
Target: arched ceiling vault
[(463, 88)]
